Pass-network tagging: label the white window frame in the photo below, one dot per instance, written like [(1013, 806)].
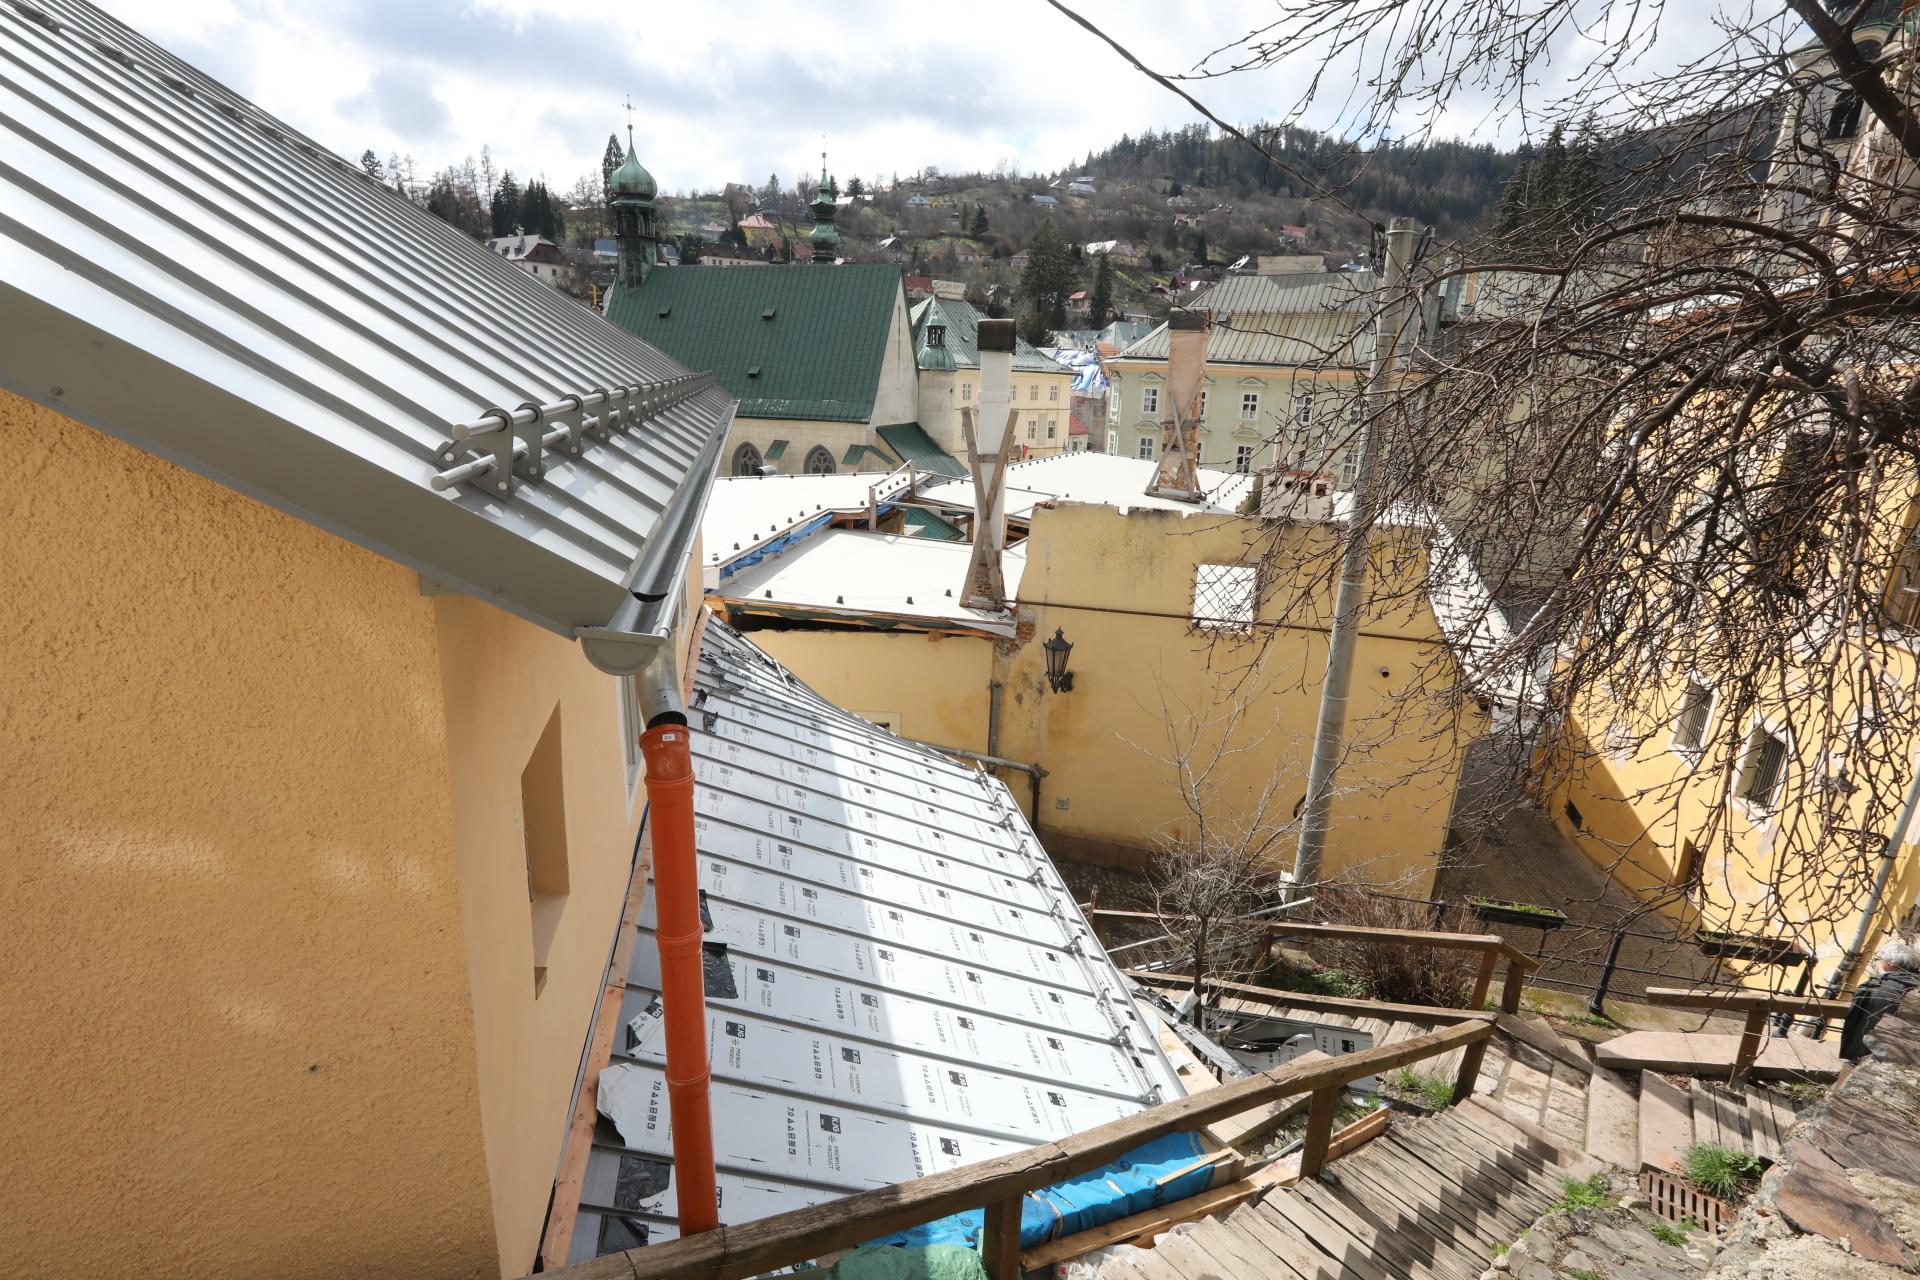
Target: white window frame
[(1149, 400), (1113, 442), (966, 390), (1761, 811), (1053, 393), (1349, 468), (1243, 458), (1691, 752), (1249, 406), (1143, 448), (1303, 408)]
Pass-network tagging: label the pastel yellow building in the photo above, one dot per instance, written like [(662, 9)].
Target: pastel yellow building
[(946, 346), (1277, 390), (319, 820), (1194, 677)]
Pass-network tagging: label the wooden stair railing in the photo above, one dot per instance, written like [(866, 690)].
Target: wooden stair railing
[(1000, 1184), (1758, 1006)]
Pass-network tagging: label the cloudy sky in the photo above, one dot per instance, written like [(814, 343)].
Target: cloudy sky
[(729, 91)]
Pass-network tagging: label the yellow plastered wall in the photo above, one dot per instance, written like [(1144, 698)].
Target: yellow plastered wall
[(1120, 586), (504, 680), (238, 1036), (932, 688), (1638, 800), (1222, 431)]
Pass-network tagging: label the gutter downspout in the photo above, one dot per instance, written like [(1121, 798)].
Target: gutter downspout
[(639, 642), (1889, 854)]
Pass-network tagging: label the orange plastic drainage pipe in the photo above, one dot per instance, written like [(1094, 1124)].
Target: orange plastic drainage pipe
[(676, 895)]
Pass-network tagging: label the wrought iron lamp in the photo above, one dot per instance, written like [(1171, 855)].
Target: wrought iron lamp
[(1058, 677)]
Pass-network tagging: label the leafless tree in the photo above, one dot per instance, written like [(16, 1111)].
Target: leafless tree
[(1675, 426)]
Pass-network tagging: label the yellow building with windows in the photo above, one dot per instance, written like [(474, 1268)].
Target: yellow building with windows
[(1278, 388), (946, 349), (1195, 680)]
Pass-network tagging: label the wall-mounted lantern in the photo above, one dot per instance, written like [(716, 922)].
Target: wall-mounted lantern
[(1058, 677)]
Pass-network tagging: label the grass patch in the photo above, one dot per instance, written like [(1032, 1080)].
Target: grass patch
[(1803, 1092), (1430, 1090), (1322, 982), (1500, 1248), (1582, 1273), (1719, 1171), (1666, 1233), (1587, 1020), (1584, 1193)]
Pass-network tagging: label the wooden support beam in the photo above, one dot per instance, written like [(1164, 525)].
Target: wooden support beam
[(1000, 1239), (1313, 1151), (1483, 979), (1511, 988), (1470, 1060), (1744, 1001), (1750, 1034)]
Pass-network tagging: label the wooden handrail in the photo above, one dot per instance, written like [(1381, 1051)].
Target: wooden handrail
[(1303, 1000), (733, 1253), (1758, 1006), (1745, 1001)]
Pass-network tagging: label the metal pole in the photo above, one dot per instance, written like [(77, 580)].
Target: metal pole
[(1889, 852), (1328, 741), (1598, 1005)]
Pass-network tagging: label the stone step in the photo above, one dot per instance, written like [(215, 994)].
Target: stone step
[(1613, 1119), (1691, 1053), (1666, 1121)]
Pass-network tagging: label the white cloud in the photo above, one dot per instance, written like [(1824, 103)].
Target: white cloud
[(722, 90)]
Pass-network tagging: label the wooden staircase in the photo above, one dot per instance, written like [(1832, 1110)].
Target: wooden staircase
[(1427, 1200)]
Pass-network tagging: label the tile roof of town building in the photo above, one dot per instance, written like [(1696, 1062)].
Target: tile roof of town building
[(1307, 318), (1099, 478), (190, 274), (896, 578), (962, 340), (802, 342), (901, 980)]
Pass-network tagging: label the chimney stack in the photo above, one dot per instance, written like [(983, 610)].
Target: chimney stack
[(987, 443), (1178, 475)]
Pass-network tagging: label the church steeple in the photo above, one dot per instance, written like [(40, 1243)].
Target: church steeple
[(825, 238), (634, 227)]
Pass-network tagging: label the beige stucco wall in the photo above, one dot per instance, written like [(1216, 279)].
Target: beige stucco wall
[(1222, 431), (930, 687), (237, 1026), (1038, 399), (503, 679)]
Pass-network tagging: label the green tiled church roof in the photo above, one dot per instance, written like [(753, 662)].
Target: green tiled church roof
[(911, 441), (800, 342)]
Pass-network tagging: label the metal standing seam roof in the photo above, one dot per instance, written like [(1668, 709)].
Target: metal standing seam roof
[(1303, 319), (801, 342), (182, 270), (911, 441), (963, 319), (898, 980)]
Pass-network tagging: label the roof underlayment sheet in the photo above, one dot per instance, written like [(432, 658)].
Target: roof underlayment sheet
[(898, 980), (184, 271)]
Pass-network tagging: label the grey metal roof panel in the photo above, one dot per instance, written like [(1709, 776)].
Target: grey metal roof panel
[(184, 271), (1278, 320), (906, 986)]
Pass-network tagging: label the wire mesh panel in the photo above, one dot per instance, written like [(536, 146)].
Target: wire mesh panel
[(1223, 596)]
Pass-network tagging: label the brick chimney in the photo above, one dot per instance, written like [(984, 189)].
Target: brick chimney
[(987, 444), (1178, 475)]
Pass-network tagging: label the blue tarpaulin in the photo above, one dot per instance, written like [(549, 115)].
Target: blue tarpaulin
[(1127, 1186), (785, 541)]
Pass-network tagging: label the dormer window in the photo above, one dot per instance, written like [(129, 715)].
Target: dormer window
[(936, 335)]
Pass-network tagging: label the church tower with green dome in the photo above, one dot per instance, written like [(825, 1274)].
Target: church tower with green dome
[(825, 237), (634, 228)]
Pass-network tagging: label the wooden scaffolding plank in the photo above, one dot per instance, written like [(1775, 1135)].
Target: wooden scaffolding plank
[(1666, 1121), (1706, 1116), (1613, 1119), (1302, 1254)]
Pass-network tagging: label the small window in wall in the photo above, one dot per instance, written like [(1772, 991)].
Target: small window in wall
[(1690, 872), (1032, 429), (1349, 468), (966, 391), (820, 462), (1243, 458), (1223, 596), (746, 461), (1113, 442), (1053, 427), (1200, 414), (1053, 391), (1033, 391), (1150, 400), (1690, 725), (1844, 120), (1145, 448), (1574, 818), (543, 829), (1249, 406), (631, 727), (1303, 409), (1761, 767)]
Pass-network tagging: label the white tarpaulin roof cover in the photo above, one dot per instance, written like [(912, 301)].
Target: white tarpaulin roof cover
[(898, 981)]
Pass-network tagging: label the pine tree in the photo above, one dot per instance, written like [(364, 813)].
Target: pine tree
[(1050, 275), (610, 160), (506, 205), (855, 187), (980, 220), (371, 163), (1100, 308), (1033, 327), (1513, 201), (833, 186)]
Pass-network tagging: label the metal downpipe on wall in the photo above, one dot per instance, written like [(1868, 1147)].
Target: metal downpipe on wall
[(668, 750)]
